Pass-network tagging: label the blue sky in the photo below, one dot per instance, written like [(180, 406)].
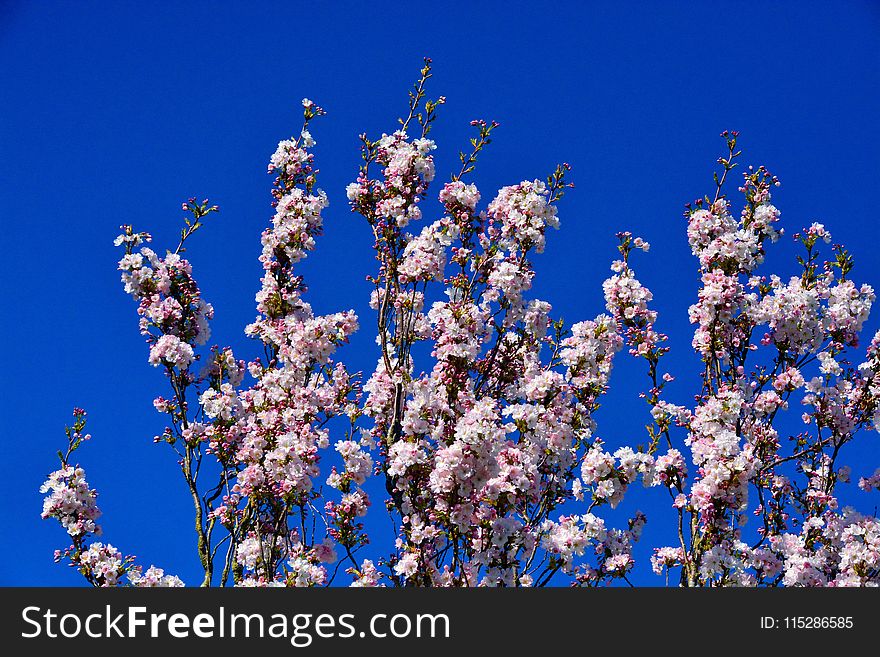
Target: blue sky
[(116, 112)]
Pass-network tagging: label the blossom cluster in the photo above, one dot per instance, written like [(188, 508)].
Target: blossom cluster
[(73, 503), (481, 445)]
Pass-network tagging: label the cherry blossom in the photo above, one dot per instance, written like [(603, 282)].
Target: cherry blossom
[(478, 432)]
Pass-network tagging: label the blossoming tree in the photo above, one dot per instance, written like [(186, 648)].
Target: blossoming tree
[(479, 414)]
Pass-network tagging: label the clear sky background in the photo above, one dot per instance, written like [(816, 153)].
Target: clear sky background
[(115, 112)]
